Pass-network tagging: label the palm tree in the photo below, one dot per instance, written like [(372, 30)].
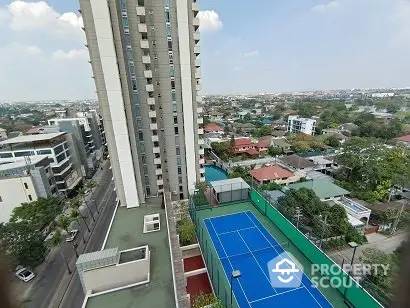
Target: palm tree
[(64, 223), (57, 241), (82, 194), (75, 204), (91, 184), (75, 215)]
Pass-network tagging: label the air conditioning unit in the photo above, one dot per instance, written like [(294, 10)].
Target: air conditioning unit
[(175, 192)]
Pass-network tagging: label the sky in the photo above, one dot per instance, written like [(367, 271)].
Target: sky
[(246, 47)]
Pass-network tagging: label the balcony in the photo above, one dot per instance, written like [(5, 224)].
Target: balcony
[(198, 87), (202, 179), (144, 44), (202, 170), (200, 131), (157, 161), (200, 121), (198, 99), (151, 101), (140, 11), (160, 182), (201, 151), (199, 110), (197, 62), (201, 141), (146, 59), (149, 88), (152, 114), (196, 36), (195, 21), (156, 150), (201, 161), (148, 74), (158, 171), (195, 6), (155, 138), (153, 126), (142, 28), (197, 50)]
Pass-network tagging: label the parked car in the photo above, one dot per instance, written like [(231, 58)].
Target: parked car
[(71, 235), (25, 274)]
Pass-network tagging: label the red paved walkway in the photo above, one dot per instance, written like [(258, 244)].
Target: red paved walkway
[(197, 284), (193, 263)]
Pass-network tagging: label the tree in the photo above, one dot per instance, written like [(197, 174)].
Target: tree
[(301, 146), (75, 204), (232, 145), (222, 149), (332, 141), (39, 213), (75, 215), (207, 300), (353, 235), (186, 231), (271, 186), (90, 185), (57, 241), (199, 195), (274, 151), (64, 223), (22, 243)]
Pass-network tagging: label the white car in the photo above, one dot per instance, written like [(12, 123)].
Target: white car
[(71, 235), (25, 274)]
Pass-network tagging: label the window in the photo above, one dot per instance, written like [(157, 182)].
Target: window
[(142, 147), (174, 96), (176, 140), (148, 190), (134, 84), (125, 21), (127, 40), (179, 161), (140, 136), (181, 189), (139, 124), (25, 186), (50, 182), (23, 153), (167, 16), (145, 167), (172, 72), (176, 130), (178, 151), (168, 26), (180, 179), (143, 159), (6, 155), (174, 107), (154, 43), (173, 84), (140, 2), (129, 53), (132, 68), (146, 179), (169, 45), (44, 152), (29, 197), (179, 170), (175, 120)]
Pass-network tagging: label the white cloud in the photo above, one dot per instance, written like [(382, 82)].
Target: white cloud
[(327, 6), (26, 16), (251, 53), (21, 48), (209, 21), (73, 54)]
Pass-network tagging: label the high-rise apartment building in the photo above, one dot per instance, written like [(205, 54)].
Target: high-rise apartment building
[(145, 60)]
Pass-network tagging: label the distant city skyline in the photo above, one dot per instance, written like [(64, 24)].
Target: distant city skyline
[(272, 47)]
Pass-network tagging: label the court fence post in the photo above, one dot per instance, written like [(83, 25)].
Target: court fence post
[(212, 267)]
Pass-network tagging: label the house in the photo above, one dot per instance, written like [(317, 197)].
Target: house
[(278, 133), (339, 136), (216, 116), (262, 145), (298, 163), (213, 128), (405, 140), (243, 145), (279, 124), (325, 190), (244, 127), (271, 174), (281, 144), (348, 128)]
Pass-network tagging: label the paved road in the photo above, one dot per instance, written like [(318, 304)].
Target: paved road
[(74, 295), (54, 270)]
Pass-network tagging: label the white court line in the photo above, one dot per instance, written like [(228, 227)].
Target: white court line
[(246, 253), (282, 259), (235, 230), (243, 212), (257, 262), (277, 294), (230, 264)]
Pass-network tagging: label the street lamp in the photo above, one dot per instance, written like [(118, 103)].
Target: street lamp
[(353, 245), (234, 275)]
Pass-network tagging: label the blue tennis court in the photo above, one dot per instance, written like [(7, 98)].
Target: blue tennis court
[(243, 244)]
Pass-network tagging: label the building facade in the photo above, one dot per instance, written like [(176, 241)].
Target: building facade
[(55, 147), (24, 181), (297, 124), (145, 60)]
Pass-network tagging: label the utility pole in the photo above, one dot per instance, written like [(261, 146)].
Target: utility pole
[(323, 231), (396, 221), (298, 215)]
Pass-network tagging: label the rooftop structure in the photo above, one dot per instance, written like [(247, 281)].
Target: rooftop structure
[(325, 190), (271, 174), (297, 124), (297, 162), (213, 128)]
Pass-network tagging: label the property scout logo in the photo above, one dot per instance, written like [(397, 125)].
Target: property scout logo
[(285, 272)]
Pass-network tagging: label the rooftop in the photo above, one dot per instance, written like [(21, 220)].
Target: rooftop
[(405, 138), (242, 142), (229, 185), (270, 173), (126, 233), (31, 138), (21, 163), (297, 162), (322, 188), (211, 127)]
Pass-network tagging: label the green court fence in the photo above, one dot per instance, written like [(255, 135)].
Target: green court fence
[(356, 295)]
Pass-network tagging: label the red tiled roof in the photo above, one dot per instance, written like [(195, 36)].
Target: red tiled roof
[(242, 142), (270, 173), (405, 138), (263, 143), (212, 127), (252, 152)]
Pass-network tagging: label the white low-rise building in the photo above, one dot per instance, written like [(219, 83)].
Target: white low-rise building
[(296, 124)]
